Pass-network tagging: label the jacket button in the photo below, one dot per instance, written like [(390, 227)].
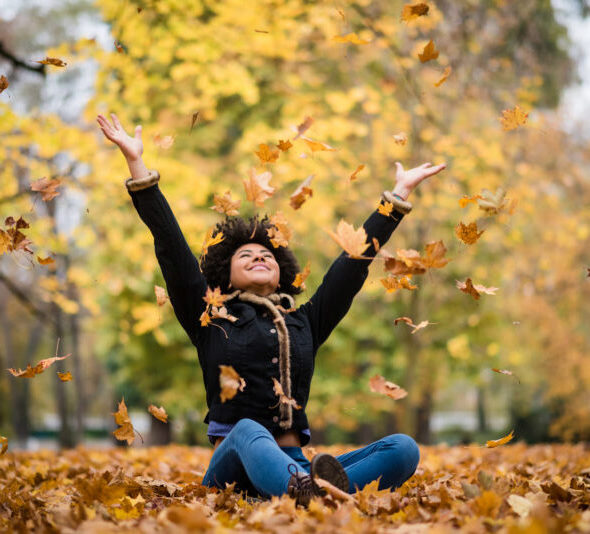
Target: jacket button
[(273, 330), (275, 360), (275, 418)]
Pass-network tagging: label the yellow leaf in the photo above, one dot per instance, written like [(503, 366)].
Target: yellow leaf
[(501, 441), (513, 118), (352, 241), (300, 194), (158, 413), (302, 276), (284, 145), (393, 283), (358, 169), (125, 431), (279, 233), (445, 75), (385, 208), (352, 38), (267, 154), (45, 261), (210, 240), (468, 233), (316, 146)]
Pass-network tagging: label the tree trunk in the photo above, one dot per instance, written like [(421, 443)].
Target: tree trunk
[(160, 433), (423, 413), (482, 422)]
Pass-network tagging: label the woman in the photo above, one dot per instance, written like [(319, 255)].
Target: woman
[(257, 439)]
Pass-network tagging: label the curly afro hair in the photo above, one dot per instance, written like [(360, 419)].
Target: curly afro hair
[(216, 264)]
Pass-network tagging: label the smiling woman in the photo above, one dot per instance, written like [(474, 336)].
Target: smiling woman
[(269, 343)]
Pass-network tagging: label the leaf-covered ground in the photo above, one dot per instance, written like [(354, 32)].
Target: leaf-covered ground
[(510, 489)]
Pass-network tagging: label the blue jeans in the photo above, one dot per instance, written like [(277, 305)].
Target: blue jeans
[(250, 456)]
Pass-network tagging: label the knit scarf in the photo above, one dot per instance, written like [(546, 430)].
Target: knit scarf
[(273, 303)]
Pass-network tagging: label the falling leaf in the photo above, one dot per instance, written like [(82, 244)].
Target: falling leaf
[(52, 61), (494, 203), (429, 52), (303, 127), (513, 118), (392, 283), (30, 372), (413, 11), (497, 442), (283, 399), (300, 195), (64, 377), (261, 31), (194, 120), (409, 322), (211, 241), (267, 154), (354, 242), (317, 146), (119, 47), (445, 75), (352, 38), (4, 444), (257, 187), (475, 289), (12, 238), (378, 384), (284, 145), (205, 318), (506, 372), (468, 233), (230, 382), (214, 297), (358, 169), (45, 261), (161, 296), (400, 138), (435, 252), (3, 83), (158, 413), (302, 276), (125, 432), (163, 142), (464, 200), (47, 187), (279, 233), (225, 205)]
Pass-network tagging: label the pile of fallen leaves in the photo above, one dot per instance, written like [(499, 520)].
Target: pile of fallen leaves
[(536, 489)]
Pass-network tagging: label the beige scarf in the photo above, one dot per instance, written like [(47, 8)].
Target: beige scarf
[(272, 303)]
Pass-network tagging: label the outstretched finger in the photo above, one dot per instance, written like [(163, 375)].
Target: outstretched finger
[(116, 122), (105, 126), (436, 169)]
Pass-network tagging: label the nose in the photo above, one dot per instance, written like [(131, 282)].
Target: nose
[(259, 257)]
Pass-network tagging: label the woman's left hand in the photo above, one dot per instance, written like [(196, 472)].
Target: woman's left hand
[(407, 181)]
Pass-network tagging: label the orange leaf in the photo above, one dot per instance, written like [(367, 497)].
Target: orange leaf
[(435, 252), (385, 208), (47, 187), (378, 384), (279, 233), (283, 399), (205, 318), (214, 297), (125, 432), (119, 47), (301, 193), (210, 240), (445, 75), (225, 205), (468, 233), (64, 377), (30, 372), (501, 441), (284, 145), (266, 154), (3, 83), (52, 61), (302, 276), (158, 413), (161, 296), (513, 118), (230, 382), (316, 146), (464, 200), (45, 261), (411, 12), (393, 283), (257, 187), (429, 52), (352, 38), (352, 241), (358, 169)]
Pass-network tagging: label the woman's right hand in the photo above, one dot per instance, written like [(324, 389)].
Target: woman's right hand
[(132, 147)]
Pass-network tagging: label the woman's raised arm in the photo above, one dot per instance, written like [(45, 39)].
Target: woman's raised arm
[(185, 283), (346, 276)]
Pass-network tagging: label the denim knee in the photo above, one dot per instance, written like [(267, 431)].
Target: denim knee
[(249, 426), (406, 447)]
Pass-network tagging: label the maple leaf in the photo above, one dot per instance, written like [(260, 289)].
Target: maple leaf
[(468, 233), (210, 240), (214, 297), (283, 399), (30, 372), (497, 442), (445, 75), (267, 154), (475, 289), (52, 61), (158, 413), (400, 138), (358, 169), (47, 187), (65, 377), (161, 296), (464, 200), (513, 118), (225, 205), (302, 276), (352, 38), (316, 146), (378, 384), (222, 313), (409, 322), (494, 203), (257, 187), (3, 83), (413, 11), (300, 194), (4, 444), (45, 261), (385, 208), (194, 119), (165, 142), (284, 145), (435, 252), (354, 242), (230, 382), (393, 283), (429, 52), (125, 432), (205, 318), (303, 127), (279, 233)]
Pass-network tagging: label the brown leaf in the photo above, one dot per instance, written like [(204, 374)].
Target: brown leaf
[(3, 83), (413, 11), (4, 444), (392, 283), (284, 145), (47, 187), (475, 289), (230, 382), (158, 413), (468, 233), (400, 138), (301, 193), (302, 276), (125, 432), (409, 322), (65, 377), (267, 154), (283, 399), (430, 52), (378, 384), (303, 127), (45, 261), (30, 372), (161, 296), (194, 119), (222, 313), (225, 205), (257, 187), (279, 233), (52, 61)]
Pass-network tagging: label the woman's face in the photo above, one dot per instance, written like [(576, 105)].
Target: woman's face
[(254, 268)]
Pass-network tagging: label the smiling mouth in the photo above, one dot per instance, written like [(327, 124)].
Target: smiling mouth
[(259, 268)]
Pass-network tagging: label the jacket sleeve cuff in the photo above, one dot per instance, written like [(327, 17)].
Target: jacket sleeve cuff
[(138, 184), (403, 206)]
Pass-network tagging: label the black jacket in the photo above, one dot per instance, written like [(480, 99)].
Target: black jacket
[(252, 346)]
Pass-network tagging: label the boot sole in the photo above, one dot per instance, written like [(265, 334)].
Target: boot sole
[(328, 468)]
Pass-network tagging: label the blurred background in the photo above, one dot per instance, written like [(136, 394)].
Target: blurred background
[(252, 70)]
